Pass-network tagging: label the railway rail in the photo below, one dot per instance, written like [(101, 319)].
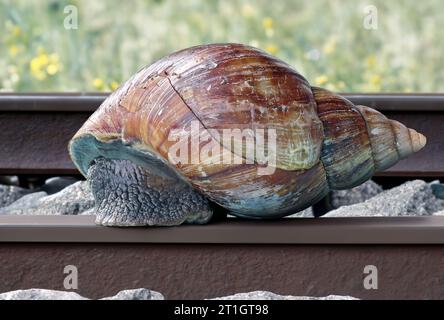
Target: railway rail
[(290, 256), (36, 129)]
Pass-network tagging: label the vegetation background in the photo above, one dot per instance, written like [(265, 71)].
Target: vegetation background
[(324, 40)]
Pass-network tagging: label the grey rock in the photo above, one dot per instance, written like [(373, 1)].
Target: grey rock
[(266, 295), (306, 213), (9, 180), (45, 294), (40, 294), (89, 212), (56, 184), (9, 194), (136, 294), (25, 204), (72, 200), (413, 198), (358, 194)]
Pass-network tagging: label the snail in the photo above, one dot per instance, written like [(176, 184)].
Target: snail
[(156, 153)]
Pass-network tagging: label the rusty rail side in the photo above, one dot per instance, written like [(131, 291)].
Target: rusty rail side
[(373, 230), (314, 257)]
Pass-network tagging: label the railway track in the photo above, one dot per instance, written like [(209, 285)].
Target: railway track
[(294, 256), (36, 129)]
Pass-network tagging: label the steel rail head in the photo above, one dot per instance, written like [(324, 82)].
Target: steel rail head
[(88, 102)]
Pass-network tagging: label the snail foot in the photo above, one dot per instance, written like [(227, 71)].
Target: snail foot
[(127, 194)]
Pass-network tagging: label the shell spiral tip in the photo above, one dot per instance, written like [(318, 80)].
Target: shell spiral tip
[(418, 140)]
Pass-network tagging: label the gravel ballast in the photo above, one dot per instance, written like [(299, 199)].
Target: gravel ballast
[(57, 184), (45, 294), (267, 295), (358, 194), (147, 294), (74, 199), (413, 198), (10, 194)]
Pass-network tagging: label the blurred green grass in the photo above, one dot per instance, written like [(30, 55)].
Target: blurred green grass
[(324, 40)]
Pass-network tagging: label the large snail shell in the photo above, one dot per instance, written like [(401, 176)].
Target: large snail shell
[(323, 141)]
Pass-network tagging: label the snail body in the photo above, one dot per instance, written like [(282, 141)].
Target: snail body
[(185, 102)]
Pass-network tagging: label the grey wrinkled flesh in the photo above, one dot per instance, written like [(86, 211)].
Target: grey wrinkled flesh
[(127, 194)]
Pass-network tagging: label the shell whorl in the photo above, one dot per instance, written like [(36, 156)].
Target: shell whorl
[(218, 86), (408, 140), (391, 141), (359, 141)]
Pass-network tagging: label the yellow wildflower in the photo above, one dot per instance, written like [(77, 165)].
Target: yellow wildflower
[(371, 60), (37, 66), (321, 80), (44, 59), (13, 50), (39, 75), (98, 83), (248, 10), (44, 64), (114, 85), (272, 49), (52, 69), (330, 46), (54, 64), (267, 23), (16, 31), (375, 80)]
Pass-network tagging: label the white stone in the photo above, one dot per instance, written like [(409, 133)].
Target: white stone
[(25, 204), (74, 199), (9, 194), (45, 294), (40, 294), (358, 194), (306, 213), (267, 295), (413, 198), (136, 294)]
